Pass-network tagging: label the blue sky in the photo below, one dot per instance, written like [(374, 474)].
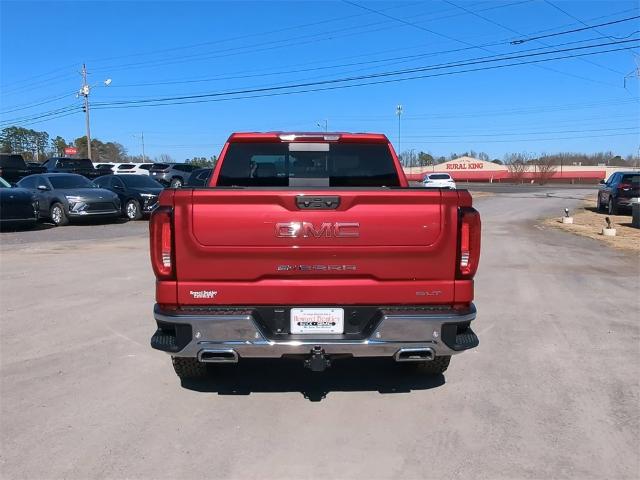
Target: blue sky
[(174, 49)]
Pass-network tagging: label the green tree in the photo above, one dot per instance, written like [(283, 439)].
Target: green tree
[(100, 151), (425, 159), (202, 162), (30, 143), (58, 145)]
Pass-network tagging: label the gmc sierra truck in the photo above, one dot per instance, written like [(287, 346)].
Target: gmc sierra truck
[(313, 246)]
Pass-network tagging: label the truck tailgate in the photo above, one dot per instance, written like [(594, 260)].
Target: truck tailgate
[(260, 247)]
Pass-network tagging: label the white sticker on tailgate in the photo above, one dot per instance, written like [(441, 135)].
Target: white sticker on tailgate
[(317, 320)]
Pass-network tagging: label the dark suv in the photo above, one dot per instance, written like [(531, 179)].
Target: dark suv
[(174, 175), (80, 166), (13, 167), (617, 192)]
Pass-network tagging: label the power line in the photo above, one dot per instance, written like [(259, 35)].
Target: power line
[(591, 27), (553, 5), (296, 27), (510, 111), (387, 60), (533, 139), (509, 29), (276, 72), (37, 104), (42, 114), (480, 60), (507, 134), (378, 82)]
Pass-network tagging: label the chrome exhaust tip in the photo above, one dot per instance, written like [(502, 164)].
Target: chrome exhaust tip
[(424, 354), (227, 355)]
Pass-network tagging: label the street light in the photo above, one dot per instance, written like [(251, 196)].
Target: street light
[(85, 90)]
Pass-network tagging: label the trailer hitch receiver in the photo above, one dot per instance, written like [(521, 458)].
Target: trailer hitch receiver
[(318, 361)]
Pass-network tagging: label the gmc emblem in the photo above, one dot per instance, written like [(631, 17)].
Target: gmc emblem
[(326, 229)]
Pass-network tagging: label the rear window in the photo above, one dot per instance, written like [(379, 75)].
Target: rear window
[(160, 166), (126, 166), (308, 165), (75, 163), (439, 176), (631, 178), (140, 181), (12, 161), (146, 166)]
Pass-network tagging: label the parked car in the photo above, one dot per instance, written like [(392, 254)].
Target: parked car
[(80, 166), (174, 175), (199, 177), (13, 167), (319, 250), (66, 196), (18, 206), (618, 191), (133, 169), (105, 166), (438, 180), (138, 193)]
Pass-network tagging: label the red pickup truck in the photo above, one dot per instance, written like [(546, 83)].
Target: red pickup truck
[(313, 246)]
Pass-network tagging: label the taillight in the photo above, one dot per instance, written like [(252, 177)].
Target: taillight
[(161, 243), (469, 251)]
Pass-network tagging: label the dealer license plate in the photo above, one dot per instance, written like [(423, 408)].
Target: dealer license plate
[(317, 320)]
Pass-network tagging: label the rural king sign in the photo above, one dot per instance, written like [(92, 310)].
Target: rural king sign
[(465, 166), (70, 151)]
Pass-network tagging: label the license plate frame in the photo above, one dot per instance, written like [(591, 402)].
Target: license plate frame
[(313, 321)]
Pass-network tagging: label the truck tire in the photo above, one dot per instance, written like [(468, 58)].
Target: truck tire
[(189, 367), (436, 366), (612, 208)]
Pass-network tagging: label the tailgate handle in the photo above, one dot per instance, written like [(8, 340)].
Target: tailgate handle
[(304, 202)]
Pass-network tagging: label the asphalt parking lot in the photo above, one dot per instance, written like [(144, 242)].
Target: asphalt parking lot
[(553, 390)]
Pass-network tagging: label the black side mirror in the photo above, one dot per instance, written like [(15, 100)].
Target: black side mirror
[(43, 188), (601, 182)]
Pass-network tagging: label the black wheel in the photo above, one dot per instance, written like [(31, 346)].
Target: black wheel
[(58, 215), (436, 366), (612, 207), (599, 205), (176, 183), (132, 210), (189, 367)]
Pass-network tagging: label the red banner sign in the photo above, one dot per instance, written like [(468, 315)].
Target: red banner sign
[(70, 150)]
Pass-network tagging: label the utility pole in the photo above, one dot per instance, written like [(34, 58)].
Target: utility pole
[(399, 113), (84, 91), (144, 157)]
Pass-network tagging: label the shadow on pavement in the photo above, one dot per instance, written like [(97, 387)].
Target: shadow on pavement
[(279, 376)]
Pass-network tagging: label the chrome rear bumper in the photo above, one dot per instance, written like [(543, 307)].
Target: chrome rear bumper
[(187, 333)]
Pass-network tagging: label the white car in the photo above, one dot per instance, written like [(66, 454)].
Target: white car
[(132, 168), (438, 180), (104, 166)]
